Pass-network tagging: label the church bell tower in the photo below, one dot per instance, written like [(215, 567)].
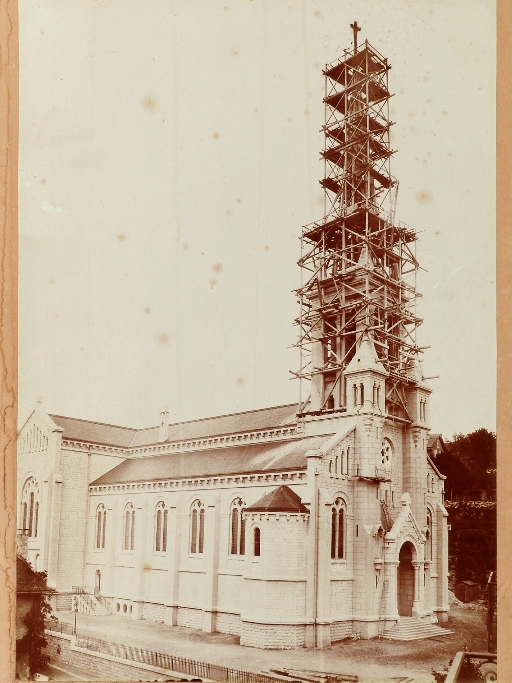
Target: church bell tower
[(359, 264)]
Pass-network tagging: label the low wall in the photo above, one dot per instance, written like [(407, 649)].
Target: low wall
[(63, 652)]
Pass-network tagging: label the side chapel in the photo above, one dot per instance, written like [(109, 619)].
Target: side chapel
[(297, 525)]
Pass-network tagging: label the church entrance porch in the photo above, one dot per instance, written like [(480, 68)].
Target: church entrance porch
[(405, 580)]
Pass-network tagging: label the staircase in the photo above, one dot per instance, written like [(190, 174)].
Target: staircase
[(88, 604), (412, 628)]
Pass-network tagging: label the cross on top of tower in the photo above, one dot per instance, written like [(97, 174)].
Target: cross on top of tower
[(355, 28)]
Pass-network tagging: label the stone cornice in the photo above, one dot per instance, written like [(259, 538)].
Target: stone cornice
[(201, 482), (223, 441), (207, 443), (295, 516)]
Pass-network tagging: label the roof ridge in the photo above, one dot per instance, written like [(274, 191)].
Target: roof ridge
[(172, 424), (94, 422), (243, 412)]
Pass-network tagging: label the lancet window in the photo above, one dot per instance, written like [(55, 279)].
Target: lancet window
[(237, 528), (161, 523), (129, 527), (197, 527)]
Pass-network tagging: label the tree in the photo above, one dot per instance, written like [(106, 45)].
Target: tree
[(470, 465), (33, 609)]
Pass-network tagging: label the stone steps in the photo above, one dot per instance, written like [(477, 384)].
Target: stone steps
[(410, 628)]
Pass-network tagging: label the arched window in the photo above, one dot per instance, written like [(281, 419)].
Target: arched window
[(343, 462), (428, 534), (197, 527), (161, 520), (101, 521), (31, 514), (362, 393), (24, 526), (348, 460), (336, 465), (257, 542), (386, 454), (30, 507), (129, 527), (36, 518), (237, 528), (338, 530)]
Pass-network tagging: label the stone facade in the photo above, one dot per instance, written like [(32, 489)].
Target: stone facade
[(303, 582)]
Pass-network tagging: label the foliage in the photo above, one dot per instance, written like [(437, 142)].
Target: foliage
[(469, 463), (472, 541), (33, 642)]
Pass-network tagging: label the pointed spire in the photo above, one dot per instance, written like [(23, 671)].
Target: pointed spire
[(365, 357)]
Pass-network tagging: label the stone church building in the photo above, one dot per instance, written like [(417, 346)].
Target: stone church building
[(296, 525)]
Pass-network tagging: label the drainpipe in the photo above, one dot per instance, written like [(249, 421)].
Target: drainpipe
[(317, 559), (314, 458)]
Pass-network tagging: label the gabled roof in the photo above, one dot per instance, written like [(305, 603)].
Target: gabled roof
[(263, 457), (126, 437), (282, 499), (431, 442)]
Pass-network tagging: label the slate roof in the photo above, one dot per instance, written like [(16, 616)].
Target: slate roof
[(431, 442), (252, 420), (126, 437), (282, 499), (94, 432), (251, 458)]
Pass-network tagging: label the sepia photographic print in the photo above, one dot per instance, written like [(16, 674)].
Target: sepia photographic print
[(257, 350)]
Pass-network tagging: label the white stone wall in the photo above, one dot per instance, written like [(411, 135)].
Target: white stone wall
[(229, 623), (73, 527), (153, 611), (272, 636)]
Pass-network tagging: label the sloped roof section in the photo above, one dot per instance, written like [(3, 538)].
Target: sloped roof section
[(282, 499), (273, 456), (94, 432), (252, 420), (126, 437)]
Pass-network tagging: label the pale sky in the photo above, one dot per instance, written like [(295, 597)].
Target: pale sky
[(169, 157)]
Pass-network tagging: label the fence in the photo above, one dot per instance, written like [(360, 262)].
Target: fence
[(161, 660)]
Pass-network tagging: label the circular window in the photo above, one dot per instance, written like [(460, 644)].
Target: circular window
[(385, 454)]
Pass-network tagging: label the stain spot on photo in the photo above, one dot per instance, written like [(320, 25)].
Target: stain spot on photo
[(163, 338), (213, 282), (149, 103), (217, 267), (424, 196), (121, 237)]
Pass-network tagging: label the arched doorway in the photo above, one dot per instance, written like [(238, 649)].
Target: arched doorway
[(405, 580)]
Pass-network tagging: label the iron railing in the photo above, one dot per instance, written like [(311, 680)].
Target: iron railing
[(58, 626), (161, 659)]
